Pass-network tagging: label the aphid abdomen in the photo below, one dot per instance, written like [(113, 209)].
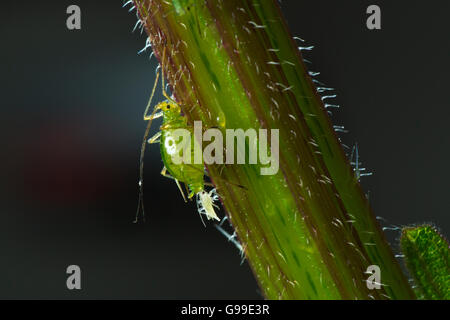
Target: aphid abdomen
[(168, 147), (187, 171), (195, 187)]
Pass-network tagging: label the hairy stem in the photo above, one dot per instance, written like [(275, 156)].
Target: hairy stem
[(428, 261), (307, 231)]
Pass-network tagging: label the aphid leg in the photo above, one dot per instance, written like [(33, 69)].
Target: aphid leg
[(146, 117), (187, 190), (218, 178), (155, 138), (213, 193), (153, 116), (181, 190), (166, 175), (167, 125), (214, 197), (191, 195), (200, 208)]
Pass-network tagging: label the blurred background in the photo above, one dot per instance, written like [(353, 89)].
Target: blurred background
[(71, 128)]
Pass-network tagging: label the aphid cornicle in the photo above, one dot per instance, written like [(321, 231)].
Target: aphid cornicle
[(190, 174)]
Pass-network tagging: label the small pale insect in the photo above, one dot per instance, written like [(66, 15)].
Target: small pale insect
[(192, 175)]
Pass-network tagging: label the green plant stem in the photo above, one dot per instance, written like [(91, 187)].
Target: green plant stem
[(308, 231), (428, 261)]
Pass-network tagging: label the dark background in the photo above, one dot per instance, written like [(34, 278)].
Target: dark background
[(71, 128)]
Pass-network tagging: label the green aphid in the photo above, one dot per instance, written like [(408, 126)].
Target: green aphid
[(190, 174)]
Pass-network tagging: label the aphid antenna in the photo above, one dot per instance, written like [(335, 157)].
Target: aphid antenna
[(150, 118), (141, 159)]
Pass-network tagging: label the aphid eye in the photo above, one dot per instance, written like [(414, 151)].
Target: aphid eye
[(168, 106)]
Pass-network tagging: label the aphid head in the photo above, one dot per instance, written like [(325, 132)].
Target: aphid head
[(168, 107)]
